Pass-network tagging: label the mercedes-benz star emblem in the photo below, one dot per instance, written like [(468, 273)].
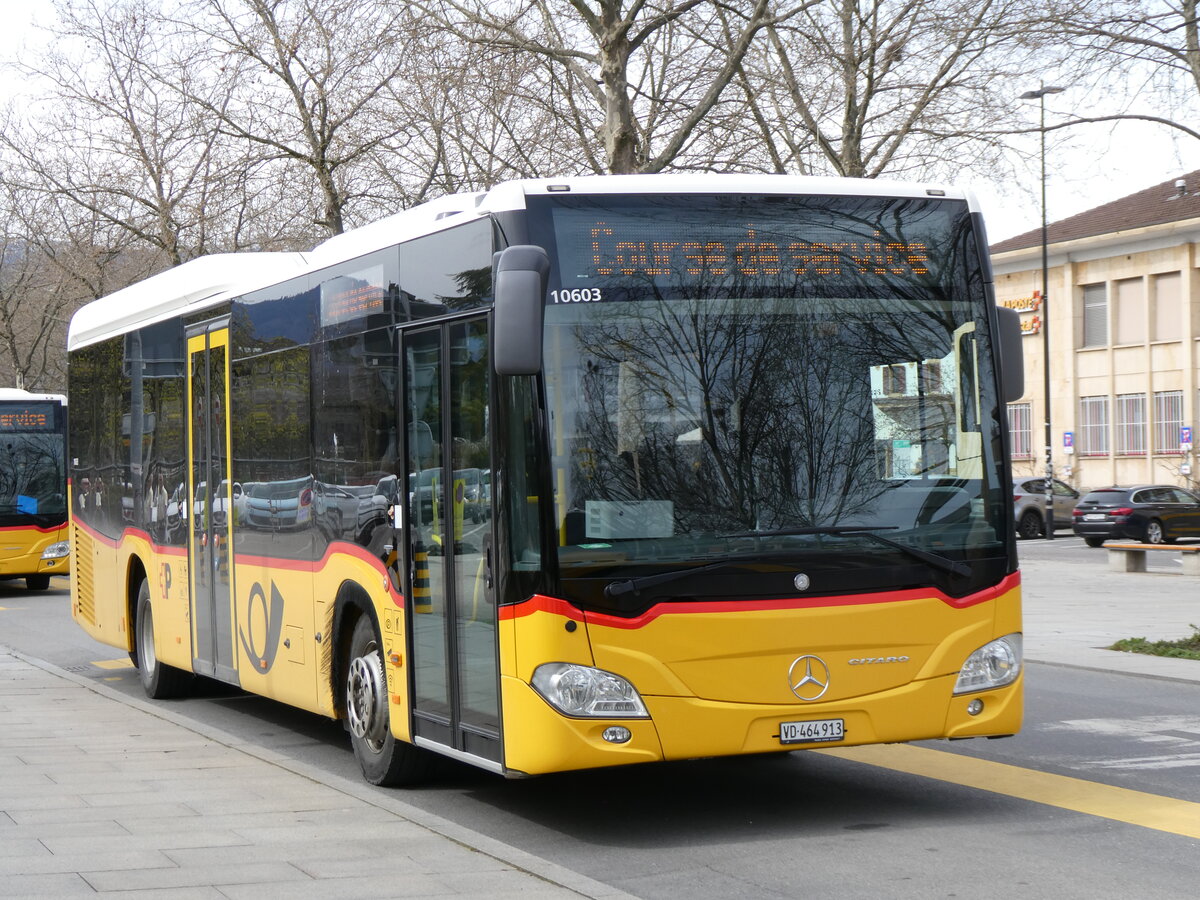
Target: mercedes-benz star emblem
[(808, 677)]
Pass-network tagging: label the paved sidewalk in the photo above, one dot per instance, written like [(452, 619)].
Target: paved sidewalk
[(1074, 610), (102, 794)]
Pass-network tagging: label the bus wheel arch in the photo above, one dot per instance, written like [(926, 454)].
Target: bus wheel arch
[(159, 680), (135, 577), (360, 689), (351, 604)]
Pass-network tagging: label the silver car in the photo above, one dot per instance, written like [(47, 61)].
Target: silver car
[(1029, 499)]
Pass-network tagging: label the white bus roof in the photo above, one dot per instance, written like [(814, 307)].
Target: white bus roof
[(20, 395), (209, 280), (197, 284)]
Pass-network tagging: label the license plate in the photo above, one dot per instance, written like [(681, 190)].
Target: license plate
[(1094, 517), (814, 731)]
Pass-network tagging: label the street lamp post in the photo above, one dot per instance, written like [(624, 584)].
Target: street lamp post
[(1040, 96)]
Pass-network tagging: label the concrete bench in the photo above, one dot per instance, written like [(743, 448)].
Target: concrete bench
[(1132, 557)]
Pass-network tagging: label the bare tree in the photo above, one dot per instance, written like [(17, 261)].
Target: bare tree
[(860, 88), (311, 83), (44, 277), (112, 133), (471, 111), (637, 79), (1145, 54)]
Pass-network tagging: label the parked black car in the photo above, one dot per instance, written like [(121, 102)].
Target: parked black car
[(1151, 513)]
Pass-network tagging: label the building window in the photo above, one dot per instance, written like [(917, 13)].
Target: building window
[(1167, 307), (1095, 315), (1093, 426), (1168, 419), (1129, 311), (1020, 422), (1131, 425), (931, 377), (895, 380)]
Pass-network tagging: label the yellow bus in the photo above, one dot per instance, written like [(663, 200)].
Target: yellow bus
[(33, 487), (747, 479)]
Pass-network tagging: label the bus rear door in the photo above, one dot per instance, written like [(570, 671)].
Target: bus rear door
[(208, 506)]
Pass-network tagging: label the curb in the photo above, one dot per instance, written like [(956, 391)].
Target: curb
[(1109, 670)]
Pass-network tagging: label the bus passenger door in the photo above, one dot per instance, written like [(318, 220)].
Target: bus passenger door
[(448, 535), (208, 505)]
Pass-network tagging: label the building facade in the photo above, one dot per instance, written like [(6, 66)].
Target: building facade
[(1123, 310)]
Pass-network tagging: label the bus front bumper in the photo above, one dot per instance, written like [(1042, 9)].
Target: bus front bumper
[(539, 740)]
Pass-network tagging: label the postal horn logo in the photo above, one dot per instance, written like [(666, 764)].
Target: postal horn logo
[(258, 609), (808, 677)]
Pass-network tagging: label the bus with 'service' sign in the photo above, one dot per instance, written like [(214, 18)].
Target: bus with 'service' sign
[(33, 487)]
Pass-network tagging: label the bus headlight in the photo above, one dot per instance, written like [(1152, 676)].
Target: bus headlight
[(57, 550), (576, 690), (993, 665)]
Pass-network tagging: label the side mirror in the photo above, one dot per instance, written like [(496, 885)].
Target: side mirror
[(522, 272), (1011, 355)]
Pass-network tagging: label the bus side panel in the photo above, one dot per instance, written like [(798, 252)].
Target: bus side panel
[(283, 627), (97, 602), (108, 616), (167, 575)]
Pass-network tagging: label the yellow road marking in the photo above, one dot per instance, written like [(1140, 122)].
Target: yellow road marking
[(114, 664), (1119, 804)]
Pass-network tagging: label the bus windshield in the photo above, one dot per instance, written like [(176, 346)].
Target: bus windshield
[(32, 477), (752, 380)]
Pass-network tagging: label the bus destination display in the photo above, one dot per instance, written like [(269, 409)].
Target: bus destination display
[(622, 251), (28, 417), (617, 251)]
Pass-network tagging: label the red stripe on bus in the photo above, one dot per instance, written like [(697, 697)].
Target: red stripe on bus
[(342, 548), (128, 531), (336, 548), (10, 528), (541, 603)]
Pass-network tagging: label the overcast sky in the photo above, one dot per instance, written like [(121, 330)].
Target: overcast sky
[(1088, 165)]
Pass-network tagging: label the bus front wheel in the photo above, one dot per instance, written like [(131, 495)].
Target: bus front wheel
[(159, 680), (37, 582), (383, 759)]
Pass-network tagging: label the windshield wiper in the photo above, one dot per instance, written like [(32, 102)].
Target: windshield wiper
[(810, 529), (954, 567), (635, 586)]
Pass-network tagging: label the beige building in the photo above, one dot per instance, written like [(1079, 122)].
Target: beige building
[(1123, 308)]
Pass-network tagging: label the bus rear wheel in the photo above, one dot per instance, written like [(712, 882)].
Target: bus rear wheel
[(383, 759), (159, 681)]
